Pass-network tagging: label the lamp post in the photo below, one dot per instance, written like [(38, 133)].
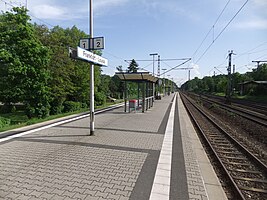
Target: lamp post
[(172, 86), (164, 81), (169, 87), (153, 90), (92, 95), (153, 54)]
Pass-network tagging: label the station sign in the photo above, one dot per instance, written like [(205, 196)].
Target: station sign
[(91, 57), (96, 43)]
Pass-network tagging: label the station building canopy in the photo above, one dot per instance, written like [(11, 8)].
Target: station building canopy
[(136, 76)]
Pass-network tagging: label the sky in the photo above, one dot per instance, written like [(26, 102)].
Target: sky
[(204, 31)]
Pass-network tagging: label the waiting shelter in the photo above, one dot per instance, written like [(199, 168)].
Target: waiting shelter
[(146, 84), (253, 86)]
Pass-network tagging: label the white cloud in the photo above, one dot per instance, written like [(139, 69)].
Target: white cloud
[(195, 71), (49, 12), (253, 24), (64, 10), (100, 4), (260, 3), (104, 7)]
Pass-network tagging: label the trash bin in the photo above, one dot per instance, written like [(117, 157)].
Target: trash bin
[(132, 104)]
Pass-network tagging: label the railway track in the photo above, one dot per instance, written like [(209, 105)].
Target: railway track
[(253, 107), (256, 117), (244, 173)]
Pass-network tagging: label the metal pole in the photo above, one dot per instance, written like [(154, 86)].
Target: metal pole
[(125, 96), (164, 82), (153, 54), (229, 85), (158, 75), (158, 66), (92, 93)]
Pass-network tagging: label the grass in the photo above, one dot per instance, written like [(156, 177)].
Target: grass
[(19, 119), (262, 98)]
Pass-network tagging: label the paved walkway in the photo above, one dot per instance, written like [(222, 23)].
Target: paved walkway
[(119, 162)]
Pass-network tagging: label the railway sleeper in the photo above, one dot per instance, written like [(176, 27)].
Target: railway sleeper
[(224, 146), (222, 142), (253, 189), (229, 152), (238, 163), (250, 179), (233, 158)]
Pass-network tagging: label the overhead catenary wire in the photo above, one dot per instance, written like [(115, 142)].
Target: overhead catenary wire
[(222, 30), (212, 28), (247, 52), (261, 57), (176, 66), (167, 59), (254, 48)]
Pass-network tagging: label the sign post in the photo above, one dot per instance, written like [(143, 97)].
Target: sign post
[(92, 93), (83, 52)]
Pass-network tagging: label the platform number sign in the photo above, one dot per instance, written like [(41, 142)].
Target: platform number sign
[(98, 43), (84, 43)]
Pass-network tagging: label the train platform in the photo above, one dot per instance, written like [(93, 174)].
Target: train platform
[(154, 155)]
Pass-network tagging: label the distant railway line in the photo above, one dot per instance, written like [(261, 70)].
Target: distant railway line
[(250, 111), (240, 166), (241, 104)]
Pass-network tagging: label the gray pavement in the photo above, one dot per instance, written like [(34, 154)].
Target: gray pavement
[(119, 162), (63, 162)]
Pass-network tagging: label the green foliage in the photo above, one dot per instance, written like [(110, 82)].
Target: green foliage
[(218, 84), (119, 68), (116, 87), (4, 122), (71, 106), (100, 98), (260, 73), (104, 84), (133, 67), (35, 69), (23, 62)]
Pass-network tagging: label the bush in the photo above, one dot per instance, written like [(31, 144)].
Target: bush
[(39, 110), (70, 106), (56, 109), (4, 122), (30, 111), (100, 99)]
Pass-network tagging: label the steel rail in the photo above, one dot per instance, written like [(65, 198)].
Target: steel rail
[(259, 119), (259, 164)]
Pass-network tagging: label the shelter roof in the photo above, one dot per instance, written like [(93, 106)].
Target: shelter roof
[(136, 76)]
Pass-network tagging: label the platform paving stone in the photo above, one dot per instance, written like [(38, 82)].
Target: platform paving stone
[(63, 162), (196, 188)]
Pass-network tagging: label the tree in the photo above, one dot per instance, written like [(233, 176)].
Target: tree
[(23, 61), (133, 67), (260, 73), (70, 78), (119, 68), (116, 87)]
